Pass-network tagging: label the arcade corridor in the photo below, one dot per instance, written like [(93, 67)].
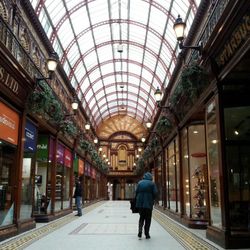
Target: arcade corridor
[(108, 226)]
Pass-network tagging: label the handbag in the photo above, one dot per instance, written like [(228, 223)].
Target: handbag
[(133, 206)]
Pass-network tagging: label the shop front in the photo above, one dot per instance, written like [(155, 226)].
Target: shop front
[(228, 141), (195, 176), (9, 125), (52, 184), (30, 148)]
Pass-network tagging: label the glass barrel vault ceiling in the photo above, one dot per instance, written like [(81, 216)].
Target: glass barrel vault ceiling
[(86, 35)]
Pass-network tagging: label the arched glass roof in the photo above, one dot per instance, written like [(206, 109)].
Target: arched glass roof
[(108, 79)]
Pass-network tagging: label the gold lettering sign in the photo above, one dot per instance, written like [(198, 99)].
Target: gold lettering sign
[(240, 34), (8, 81)]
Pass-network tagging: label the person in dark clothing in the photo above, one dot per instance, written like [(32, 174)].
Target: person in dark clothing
[(78, 197), (146, 193)]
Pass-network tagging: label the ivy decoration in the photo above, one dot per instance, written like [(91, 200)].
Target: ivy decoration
[(55, 111), (43, 102), (67, 126), (39, 100), (163, 127), (192, 81)]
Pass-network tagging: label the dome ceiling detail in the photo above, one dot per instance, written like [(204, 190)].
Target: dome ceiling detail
[(120, 123), (115, 52)]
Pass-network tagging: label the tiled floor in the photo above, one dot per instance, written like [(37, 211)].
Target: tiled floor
[(106, 226)]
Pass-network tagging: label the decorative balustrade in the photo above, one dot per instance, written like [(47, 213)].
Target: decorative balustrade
[(10, 41)]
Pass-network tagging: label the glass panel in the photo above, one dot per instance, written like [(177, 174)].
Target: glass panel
[(177, 167), (59, 187), (159, 179), (26, 196), (41, 201), (171, 176), (237, 124), (198, 171), (7, 158), (66, 181), (185, 166), (213, 166)]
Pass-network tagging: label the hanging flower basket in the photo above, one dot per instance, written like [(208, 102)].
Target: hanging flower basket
[(67, 126), (43, 103), (192, 82), (164, 126)]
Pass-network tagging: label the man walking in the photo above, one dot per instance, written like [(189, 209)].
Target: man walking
[(78, 196), (146, 192)]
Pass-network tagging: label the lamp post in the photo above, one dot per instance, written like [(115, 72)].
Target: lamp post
[(87, 126), (179, 28), (143, 139), (52, 62), (74, 104), (148, 124), (158, 98)]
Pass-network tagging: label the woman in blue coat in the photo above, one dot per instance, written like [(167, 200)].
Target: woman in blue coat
[(146, 193)]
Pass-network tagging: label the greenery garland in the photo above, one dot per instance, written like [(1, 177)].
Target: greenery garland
[(192, 80), (68, 126), (164, 126)]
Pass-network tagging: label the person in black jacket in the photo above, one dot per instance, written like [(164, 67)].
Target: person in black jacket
[(78, 197), (146, 193)]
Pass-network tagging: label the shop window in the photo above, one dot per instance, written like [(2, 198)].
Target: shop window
[(41, 194), (66, 196), (7, 171), (195, 172), (213, 166), (159, 180), (59, 187), (237, 133), (171, 177), (185, 165), (26, 196)]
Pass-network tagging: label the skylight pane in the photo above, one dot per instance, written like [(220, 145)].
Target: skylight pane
[(88, 35)]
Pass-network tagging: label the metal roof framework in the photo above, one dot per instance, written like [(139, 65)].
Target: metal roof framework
[(87, 36)]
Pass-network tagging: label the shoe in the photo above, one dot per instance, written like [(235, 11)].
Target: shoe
[(139, 235), (78, 215), (148, 236)]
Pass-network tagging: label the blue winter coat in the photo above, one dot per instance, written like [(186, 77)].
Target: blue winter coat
[(146, 192)]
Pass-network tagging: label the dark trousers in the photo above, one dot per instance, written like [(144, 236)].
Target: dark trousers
[(145, 218)]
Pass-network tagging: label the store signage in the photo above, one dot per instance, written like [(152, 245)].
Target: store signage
[(81, 167), (60, 154), (42, 148), (8, 81), (30, 137), (235, 41), (9, 123), (67, 158)]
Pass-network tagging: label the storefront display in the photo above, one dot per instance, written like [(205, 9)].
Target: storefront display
[(9, 123), (195, 172), (172, 176)]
